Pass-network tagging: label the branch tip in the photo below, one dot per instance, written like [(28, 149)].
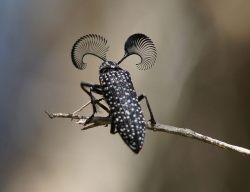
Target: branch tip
[(50, 115)]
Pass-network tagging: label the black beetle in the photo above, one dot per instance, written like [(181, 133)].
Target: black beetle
[(116, 85)]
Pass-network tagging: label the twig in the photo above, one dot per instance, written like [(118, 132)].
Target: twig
[(81, 108), (98, 121)]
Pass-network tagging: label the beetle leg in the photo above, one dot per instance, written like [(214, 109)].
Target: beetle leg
[(95, 88), (113, 130), (98, 90), (152, 119)]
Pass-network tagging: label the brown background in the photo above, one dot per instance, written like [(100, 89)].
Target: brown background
[(200, 81)]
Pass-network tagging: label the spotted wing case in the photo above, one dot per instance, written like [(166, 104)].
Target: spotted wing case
[(126, 114), (89, 44), (142, 46)]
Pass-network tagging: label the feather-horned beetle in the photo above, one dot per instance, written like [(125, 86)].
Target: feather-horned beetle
[(116, 85)]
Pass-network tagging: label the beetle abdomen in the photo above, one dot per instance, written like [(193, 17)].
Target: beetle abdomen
[(126, 112)]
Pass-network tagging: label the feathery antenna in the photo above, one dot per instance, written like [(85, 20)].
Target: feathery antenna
[(142, 46), (89, 44)]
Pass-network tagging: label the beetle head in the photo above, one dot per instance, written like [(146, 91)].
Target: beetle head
[(108, 65)]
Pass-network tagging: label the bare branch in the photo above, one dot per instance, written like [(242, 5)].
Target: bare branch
[(99, 121)]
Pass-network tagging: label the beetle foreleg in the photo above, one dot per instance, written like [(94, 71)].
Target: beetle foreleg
[(95, 89)]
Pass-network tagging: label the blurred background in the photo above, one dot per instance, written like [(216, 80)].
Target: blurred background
[(200, 81)]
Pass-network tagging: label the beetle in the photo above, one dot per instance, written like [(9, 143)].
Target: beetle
[(116, 85)]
